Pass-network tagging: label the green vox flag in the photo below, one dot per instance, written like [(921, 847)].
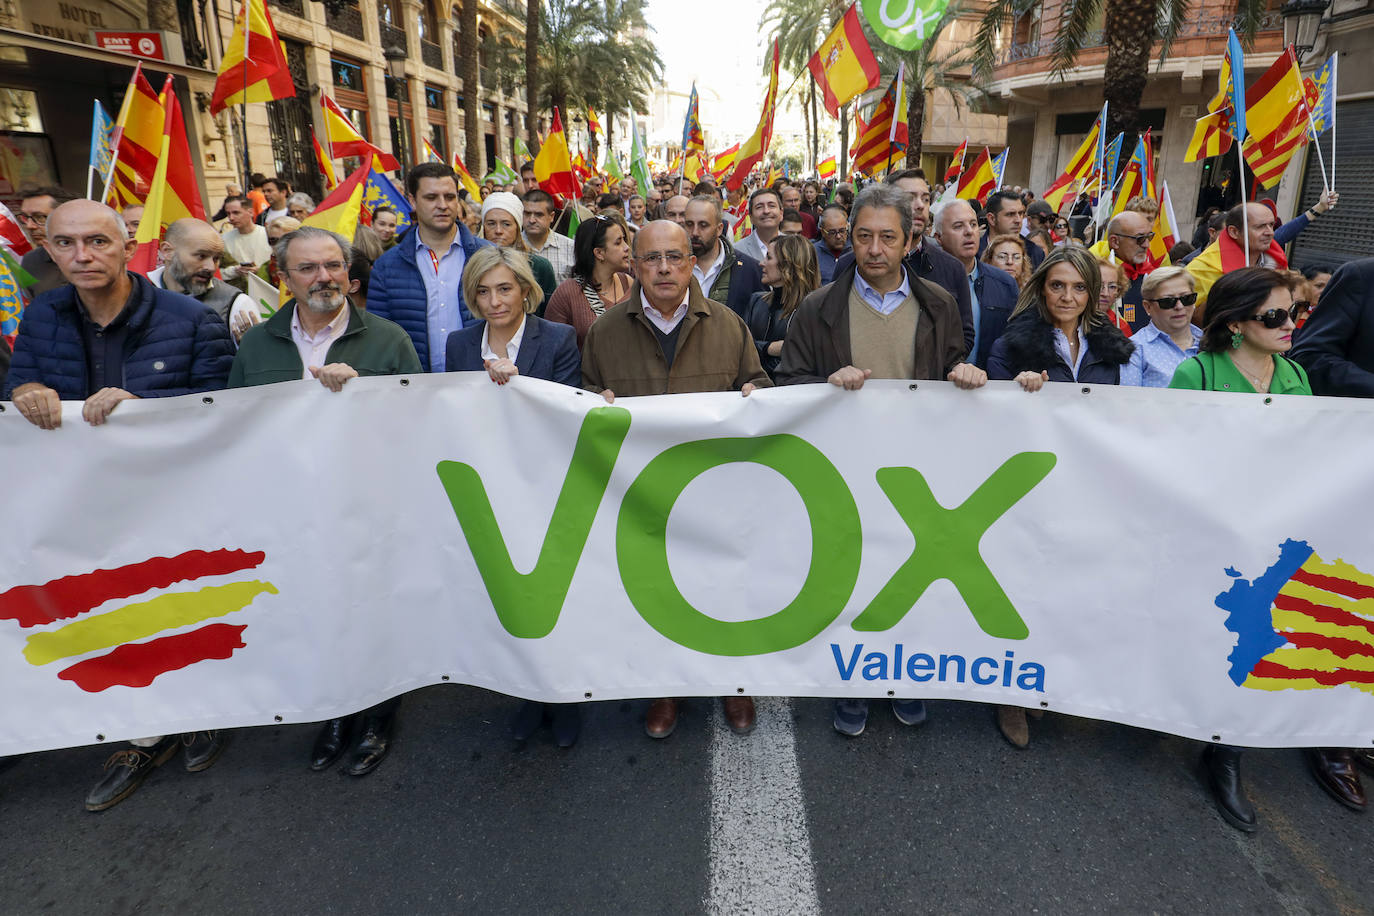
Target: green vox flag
[(573, 221), (502, 174), (612, 167), (639, 163), (522, 152), (903, 24)]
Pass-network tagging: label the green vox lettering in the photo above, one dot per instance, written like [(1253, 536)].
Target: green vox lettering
[(836, 546), (947, 545), (528, 604)]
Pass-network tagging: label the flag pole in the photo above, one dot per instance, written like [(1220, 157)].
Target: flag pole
[(1335, 65), (1244, 201), (243, 106), (892, 131)]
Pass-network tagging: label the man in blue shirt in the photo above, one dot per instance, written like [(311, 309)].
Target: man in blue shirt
[(419, 283), (833, 243), (992, 291), (1170, 337)]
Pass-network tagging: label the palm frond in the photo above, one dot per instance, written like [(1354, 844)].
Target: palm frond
[(1078, 17)]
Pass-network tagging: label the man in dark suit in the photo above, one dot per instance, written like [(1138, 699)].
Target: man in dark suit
[(1004, 212), (724, 273), (992, 291)]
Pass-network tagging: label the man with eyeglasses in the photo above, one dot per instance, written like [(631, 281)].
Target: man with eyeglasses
[(833, 243), (1128, 238), (419, 283), (1170, 337), (667, 338), (1227, 253), (34, 206)]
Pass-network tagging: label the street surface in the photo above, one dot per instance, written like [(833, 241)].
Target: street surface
[(942, 818)]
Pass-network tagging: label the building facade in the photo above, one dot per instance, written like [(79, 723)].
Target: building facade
[(55, 58)]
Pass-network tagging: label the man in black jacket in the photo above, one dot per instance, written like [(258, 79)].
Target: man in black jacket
[(724, 273), (925, 258), (993, 292)]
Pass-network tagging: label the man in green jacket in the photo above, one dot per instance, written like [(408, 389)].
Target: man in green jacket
[(319, 334)]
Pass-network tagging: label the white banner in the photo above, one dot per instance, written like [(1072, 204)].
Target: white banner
[(1191, 563)]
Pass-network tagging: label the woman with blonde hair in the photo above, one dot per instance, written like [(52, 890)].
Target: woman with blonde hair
[(790, 272)]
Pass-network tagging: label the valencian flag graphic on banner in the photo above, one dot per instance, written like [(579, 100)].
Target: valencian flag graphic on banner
[(844, 65), (86, 622), (1304, 624)]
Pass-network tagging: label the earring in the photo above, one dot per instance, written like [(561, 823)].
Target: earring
[(1236, 338)]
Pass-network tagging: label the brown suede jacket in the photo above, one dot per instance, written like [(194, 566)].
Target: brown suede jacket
[(715, 351)]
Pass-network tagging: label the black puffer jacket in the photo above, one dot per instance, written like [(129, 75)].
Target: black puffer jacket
[(1027, 345)]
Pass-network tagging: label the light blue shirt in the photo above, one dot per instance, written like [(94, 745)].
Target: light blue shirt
[(1061, 347), (882, 303), (442, 288), (1156, 357), (976, 309)]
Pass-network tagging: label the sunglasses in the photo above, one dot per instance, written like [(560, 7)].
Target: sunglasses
[(1273, 319), (1168, 303)]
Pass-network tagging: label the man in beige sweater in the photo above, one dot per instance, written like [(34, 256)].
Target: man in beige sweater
[(877, 320)]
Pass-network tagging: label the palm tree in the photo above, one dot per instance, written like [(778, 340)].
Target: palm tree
[(532, 21), (799, 27), (1130, 29), (472, 131)]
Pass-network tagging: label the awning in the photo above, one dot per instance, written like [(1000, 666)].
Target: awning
[(14, 37)]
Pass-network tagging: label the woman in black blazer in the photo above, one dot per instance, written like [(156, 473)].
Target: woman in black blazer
[(511, 340)]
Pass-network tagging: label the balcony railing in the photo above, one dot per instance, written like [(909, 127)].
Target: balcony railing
[(431, 54), (1193, 28), (393, 36), (347, 21), (296, 7)]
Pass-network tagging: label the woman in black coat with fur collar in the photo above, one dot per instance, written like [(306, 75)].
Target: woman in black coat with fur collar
[(1056, 333)]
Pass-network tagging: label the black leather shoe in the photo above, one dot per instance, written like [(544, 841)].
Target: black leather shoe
[(330, 743), (1221, 767), (527, 721), (203, 749), (1334, 770), (126, 769), (372, 745), (567, 723)]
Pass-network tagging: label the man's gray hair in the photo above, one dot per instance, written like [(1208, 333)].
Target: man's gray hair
[(301, 199), (937, 212), (711, 201), (878, 195), (310, 232)]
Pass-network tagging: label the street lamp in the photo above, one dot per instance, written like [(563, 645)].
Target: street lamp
[(395, 62), (1301, 19)]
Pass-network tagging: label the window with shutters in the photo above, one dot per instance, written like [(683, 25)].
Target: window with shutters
[(1345, 233)]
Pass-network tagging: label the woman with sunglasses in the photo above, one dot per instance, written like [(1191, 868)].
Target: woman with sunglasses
[(1250, 322), (1170, 337)]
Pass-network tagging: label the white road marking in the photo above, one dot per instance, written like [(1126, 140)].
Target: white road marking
[(760, 856)]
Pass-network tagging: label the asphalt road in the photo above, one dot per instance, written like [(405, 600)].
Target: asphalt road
[(942, 818)]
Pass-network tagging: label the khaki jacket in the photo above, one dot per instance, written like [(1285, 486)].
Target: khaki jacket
[(715, 351)]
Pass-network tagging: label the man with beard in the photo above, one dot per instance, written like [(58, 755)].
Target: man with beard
[(190, 252), (728, 276)]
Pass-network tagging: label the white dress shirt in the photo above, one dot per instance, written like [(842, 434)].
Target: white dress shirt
[(512, 348), (706, 276), (315, 347), (665, 325)]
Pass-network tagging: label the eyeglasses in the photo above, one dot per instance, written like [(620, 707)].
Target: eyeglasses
[(37, 219), (1168, 303), (1008, 257), (836, 233), (1273, 319), (1112, 288), (310, 269), (654, 258), (1143, 239)]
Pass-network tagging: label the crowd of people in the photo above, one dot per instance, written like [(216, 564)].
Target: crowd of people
[(663, 293)]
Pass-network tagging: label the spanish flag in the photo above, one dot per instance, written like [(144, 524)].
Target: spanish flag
[(1277, 119), (339, 211), (172, 194), (956, 162), (344, 139), (1211, 136), (253, 68), (1165, 228), (844, 65), (553, 166), (827, 168), (136, 140), (978, 180), (331, 180), (751, 152), (465, 180)]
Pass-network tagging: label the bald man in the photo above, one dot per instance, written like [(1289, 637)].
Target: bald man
[(190, 253), (667, 338), (108, 335), (1128, 237)]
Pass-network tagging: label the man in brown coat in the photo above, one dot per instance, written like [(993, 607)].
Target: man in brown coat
[(877, 320), (667, 338)]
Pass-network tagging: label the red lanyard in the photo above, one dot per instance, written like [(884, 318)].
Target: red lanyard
[(435, 258)]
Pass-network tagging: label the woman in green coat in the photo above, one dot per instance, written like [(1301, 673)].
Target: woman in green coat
[(1251, 317)]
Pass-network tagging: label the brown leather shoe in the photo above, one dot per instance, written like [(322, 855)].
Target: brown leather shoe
[(1334, 769), (739, 713), (1011, 720), (661, 718), (1365, 758)]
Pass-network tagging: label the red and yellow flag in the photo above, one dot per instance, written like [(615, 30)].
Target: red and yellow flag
[(553, 166), (172, 193), (344, 139), (136, 140), (593, 125), (1211, 136), (1139, 178), (751, 152), (1166, 228), (1276, 119), (978, 180), (465, 180), (331, 181), (956, 163), (253, 68), (722, 162), (339, 212), (844, 65), (884, 137), (827, 168), (1080, 168)]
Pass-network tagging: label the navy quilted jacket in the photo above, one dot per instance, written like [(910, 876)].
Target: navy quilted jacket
[(175, 345), (396, 291)]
